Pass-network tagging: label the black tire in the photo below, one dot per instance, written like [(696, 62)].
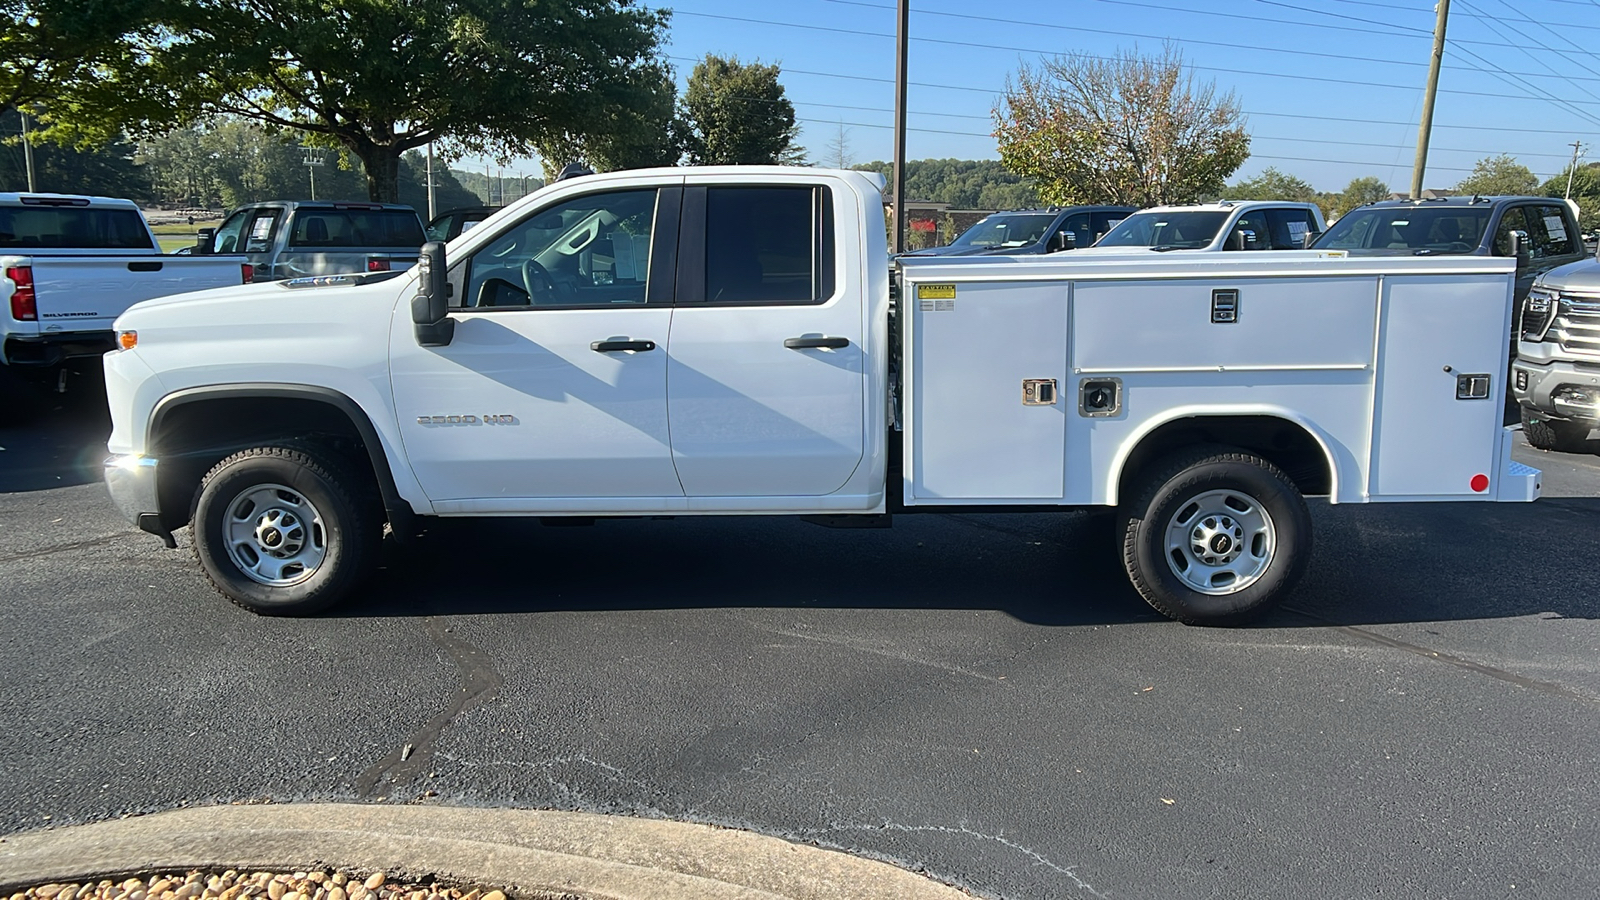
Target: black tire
[(1224, 493), (300, 499), (1547, 434)]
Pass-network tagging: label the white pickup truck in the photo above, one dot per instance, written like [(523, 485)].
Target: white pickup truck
[(69, 265), (727, 341)]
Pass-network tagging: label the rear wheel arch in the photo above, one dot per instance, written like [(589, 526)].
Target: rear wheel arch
[(1300, 452), (193, 429)]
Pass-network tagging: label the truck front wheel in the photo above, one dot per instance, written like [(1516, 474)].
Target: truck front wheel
[(1549, 434), (1215, 536), (284, 530)]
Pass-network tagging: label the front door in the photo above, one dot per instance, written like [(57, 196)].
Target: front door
[(554, 386), (766, 374)]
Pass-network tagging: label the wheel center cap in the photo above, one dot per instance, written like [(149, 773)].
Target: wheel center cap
[(271, 537), (1221, 544)]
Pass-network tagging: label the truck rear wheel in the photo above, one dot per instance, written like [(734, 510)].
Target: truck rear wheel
[(1215, 536), (284, 531), (1546, 434)]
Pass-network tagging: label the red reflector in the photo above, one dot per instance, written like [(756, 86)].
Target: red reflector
[(247, 272), (1480, 483), (23, 306), (377, 265)]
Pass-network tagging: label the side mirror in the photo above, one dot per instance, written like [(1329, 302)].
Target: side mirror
[(202, 240), (1309, 239), (1519, 247), (430, 308)]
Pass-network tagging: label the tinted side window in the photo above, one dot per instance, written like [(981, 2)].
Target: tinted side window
[(1078, 226), (769, 245), (1514, 219), (229, 235), (1549, 234), (1101, 222), (1289, 227), (1250, 232), (259, 240)]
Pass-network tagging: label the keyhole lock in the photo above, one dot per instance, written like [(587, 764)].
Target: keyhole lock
[(1099, 397)]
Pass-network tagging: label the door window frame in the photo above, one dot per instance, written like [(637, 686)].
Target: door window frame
[(660, 278), (825, 256)]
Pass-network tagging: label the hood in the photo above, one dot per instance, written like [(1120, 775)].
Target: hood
[(1123, 251), (1583, 276), (950, 250), (266, 302)]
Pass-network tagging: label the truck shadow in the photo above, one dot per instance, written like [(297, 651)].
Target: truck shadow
[(1373, 564), (53, 440)]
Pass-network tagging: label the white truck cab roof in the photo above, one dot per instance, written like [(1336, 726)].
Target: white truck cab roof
[(1220, 225)]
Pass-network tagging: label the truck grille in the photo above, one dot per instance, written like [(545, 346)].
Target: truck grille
[(1577, 325)]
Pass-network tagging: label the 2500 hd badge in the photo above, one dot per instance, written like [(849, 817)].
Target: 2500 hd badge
[(466, 420)]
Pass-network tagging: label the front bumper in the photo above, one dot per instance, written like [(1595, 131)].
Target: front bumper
[(1561, 390), (132, 483)]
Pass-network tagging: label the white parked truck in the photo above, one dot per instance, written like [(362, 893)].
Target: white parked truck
[(728, 341), (69, 265)]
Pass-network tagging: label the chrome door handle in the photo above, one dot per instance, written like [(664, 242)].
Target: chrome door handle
[(617, 346), (817, 343)]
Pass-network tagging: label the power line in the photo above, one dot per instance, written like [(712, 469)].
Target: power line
[(1229, 70)]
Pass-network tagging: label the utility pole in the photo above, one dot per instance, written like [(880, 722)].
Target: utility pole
[(1426, 128), (1573, 169), (900, 127), (313, 159), (27, 153), (431, 212)]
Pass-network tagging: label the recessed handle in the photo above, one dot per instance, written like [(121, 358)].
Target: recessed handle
[(816, 343), (621, 345)]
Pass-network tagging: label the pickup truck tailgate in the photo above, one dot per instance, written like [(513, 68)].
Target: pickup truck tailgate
[(87, 293)]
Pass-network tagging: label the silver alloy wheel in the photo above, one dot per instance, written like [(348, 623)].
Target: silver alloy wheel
[(1220, 542), (274, 535)]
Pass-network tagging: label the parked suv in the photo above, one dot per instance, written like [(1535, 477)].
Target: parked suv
[(1223, 225), (300, 238), (1023, 232)]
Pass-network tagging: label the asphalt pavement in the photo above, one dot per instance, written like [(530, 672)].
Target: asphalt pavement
[(982, 699)]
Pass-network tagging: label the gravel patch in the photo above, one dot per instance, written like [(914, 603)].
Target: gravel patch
[(305, 885)]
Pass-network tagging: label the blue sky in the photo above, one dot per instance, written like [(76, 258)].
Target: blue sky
[(1332, 89)]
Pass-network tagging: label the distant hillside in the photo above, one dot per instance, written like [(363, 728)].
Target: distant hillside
[(962, 183)]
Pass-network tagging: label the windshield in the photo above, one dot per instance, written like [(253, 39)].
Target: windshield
[(1166, 230), (1005, 231), (1446, 229)]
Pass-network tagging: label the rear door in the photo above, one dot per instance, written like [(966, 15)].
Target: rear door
[(766, 374)]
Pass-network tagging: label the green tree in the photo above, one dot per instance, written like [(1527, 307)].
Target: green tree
[(108, 171), (650, 133), (376, 78), (50, 47), (737, 114), (1585, 191), (1132, 129), (1359, 192), (1271, 185), (1498, 176)]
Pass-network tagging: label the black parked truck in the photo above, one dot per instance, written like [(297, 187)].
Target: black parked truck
[(302, 238), (1465, 226), (1022, 232)]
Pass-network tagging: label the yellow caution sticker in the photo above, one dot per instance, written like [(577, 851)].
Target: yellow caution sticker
[(936, 292)]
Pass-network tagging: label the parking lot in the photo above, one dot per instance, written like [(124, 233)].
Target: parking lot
[(981, 698)]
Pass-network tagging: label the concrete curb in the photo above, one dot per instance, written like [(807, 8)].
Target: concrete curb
[(533, 853)]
